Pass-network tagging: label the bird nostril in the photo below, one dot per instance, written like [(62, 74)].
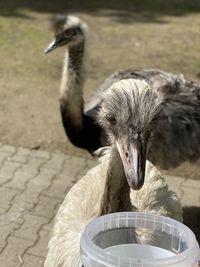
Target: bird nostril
[(127, 157)]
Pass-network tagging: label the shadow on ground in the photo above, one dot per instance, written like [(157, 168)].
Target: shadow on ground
[(191, 217), (124, 11)]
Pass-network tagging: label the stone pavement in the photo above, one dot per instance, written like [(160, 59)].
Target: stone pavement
[(32, 186)]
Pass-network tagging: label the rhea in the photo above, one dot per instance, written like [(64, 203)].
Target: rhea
[(104, 189), (80, 126)]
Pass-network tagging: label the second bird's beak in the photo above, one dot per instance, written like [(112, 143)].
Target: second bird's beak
[(57, 42), (133, 156)]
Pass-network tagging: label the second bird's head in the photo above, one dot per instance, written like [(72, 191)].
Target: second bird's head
[(128, 114), (68, 30)]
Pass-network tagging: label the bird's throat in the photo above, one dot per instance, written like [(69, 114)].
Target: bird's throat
[(116, 196)]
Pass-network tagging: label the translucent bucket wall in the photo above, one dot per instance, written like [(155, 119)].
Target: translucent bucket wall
[(172, 243)]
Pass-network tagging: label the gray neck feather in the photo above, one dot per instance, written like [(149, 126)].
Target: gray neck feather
[(71, 98), (76, 54), (116, 196)]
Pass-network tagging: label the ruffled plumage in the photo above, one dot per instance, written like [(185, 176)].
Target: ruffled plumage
[(82, 204)]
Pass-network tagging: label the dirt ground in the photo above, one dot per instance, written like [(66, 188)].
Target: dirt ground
[(123, 34)]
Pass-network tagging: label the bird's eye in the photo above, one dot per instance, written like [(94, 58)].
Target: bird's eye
[(112, 120), (153, 120), (70, 32)]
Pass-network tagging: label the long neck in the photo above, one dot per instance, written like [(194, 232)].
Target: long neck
[(71, 99), (116, 196)]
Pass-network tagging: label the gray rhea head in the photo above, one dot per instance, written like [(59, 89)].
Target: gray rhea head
[(128, 113), (68, 30), (129, 106)]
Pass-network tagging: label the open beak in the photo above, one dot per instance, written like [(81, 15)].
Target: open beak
[(57, 42), (133, 156)]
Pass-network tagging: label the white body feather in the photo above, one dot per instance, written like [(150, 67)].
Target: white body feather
[(82, 204)]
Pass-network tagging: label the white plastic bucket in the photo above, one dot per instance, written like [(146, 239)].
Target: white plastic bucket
[(133, 239)]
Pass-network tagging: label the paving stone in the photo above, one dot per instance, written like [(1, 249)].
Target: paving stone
[(76, 162), (11, 255), (34, 188), (30, 228), (192, 184), (61, 155), (40, 181), (48, 226), (6, 229), (40, 154), (30, 260), (25, 173), (7, 148), (23, 151), (190, 197), (23, 203), (188, 170), (45, 207), (8, 262), (40, 248), (18, 158), (59, 187), (3, 156), (174, 184), (71, 170), (56, 162), (47, 171), (6, 196), (7, 171), (14, 215)]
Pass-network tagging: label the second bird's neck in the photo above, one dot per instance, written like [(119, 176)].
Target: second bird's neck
[(71, 98)]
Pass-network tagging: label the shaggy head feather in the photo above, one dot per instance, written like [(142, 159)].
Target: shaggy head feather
[(129, 105), (71, 28)]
